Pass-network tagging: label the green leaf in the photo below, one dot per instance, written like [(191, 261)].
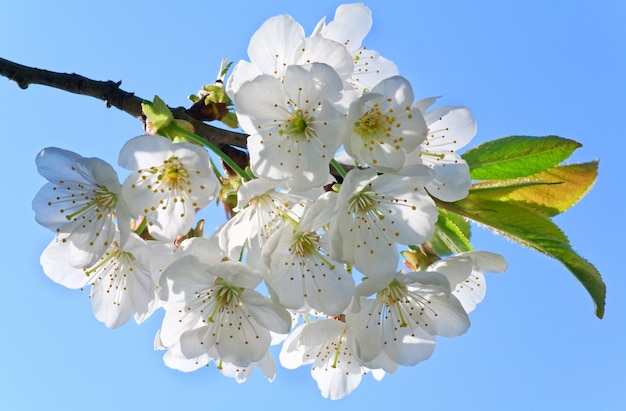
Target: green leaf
[(517, 156), (533, 230), (157, 113), (549, 193), (452, 233)]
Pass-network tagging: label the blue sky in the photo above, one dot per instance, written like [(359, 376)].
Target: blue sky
[(526, 68)]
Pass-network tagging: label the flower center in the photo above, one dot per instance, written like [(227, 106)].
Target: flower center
[(393, 296), (226, 296), (362, 202), (305, 244), (298, 125), (393, 293), (174, 175), (104, 198), (370, 124)]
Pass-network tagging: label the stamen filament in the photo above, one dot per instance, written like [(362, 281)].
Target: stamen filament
[(69, 217), (402, 319), (440, 156), (337, 352), (214, 311), (102, 263)]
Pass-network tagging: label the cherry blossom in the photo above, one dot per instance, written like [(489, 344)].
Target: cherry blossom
[(384, 126), (449, 129), (465, 272), (351, 24), (298, 270), (214, 306), (280, 42), (405, 316), (169, 182), (309, 255), (294, 127), (121, 283), (375, 213), (82, 200), (327, 344)]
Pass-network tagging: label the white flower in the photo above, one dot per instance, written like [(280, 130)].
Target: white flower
[(261, 211), (170, 181), (384, 127), (328, 345), (351, 24), (214, 307), (449, 129), (280, 42), (299, 271), (122, 285), (465, 272), (404, 318), (375, 213), (175, 359), (293, 124), (81, 200)]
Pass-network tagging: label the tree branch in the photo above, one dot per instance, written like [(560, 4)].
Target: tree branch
[(113, 96)]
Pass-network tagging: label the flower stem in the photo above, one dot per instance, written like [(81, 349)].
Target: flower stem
[(194, 137), (342, 172)]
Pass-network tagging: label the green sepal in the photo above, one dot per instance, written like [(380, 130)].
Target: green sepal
[(517, 156), (549, 193), (157, 112), (452, 234), (216, 94), (533, 230), (230, 120)]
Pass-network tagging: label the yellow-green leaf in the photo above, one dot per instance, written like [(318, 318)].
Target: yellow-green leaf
[(549, 193)]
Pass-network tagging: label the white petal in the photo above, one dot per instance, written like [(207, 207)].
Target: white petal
[(54, 261), (450, 128), (291, 357), (351, 24), (144, 151), (321, 331), (312, 83), (180, 363), (397, 88), (405, 345), (370, 68), (321, 50), (273, 45), (335, 383), (452, 181), (268, 314), (471, 291), (197, 342), (243, 71)]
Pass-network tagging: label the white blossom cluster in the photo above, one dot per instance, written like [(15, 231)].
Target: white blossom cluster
[(306, 261)]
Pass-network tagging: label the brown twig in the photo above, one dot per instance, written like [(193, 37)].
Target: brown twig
[(111, 93)]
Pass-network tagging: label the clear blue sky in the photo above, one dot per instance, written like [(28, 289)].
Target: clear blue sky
[(529, 68)]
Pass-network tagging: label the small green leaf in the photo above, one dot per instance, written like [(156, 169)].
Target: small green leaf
[(157, 113), (517, 156), (533, 230), (549, 193), (452, 233), (216, 94), (230, 120)]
